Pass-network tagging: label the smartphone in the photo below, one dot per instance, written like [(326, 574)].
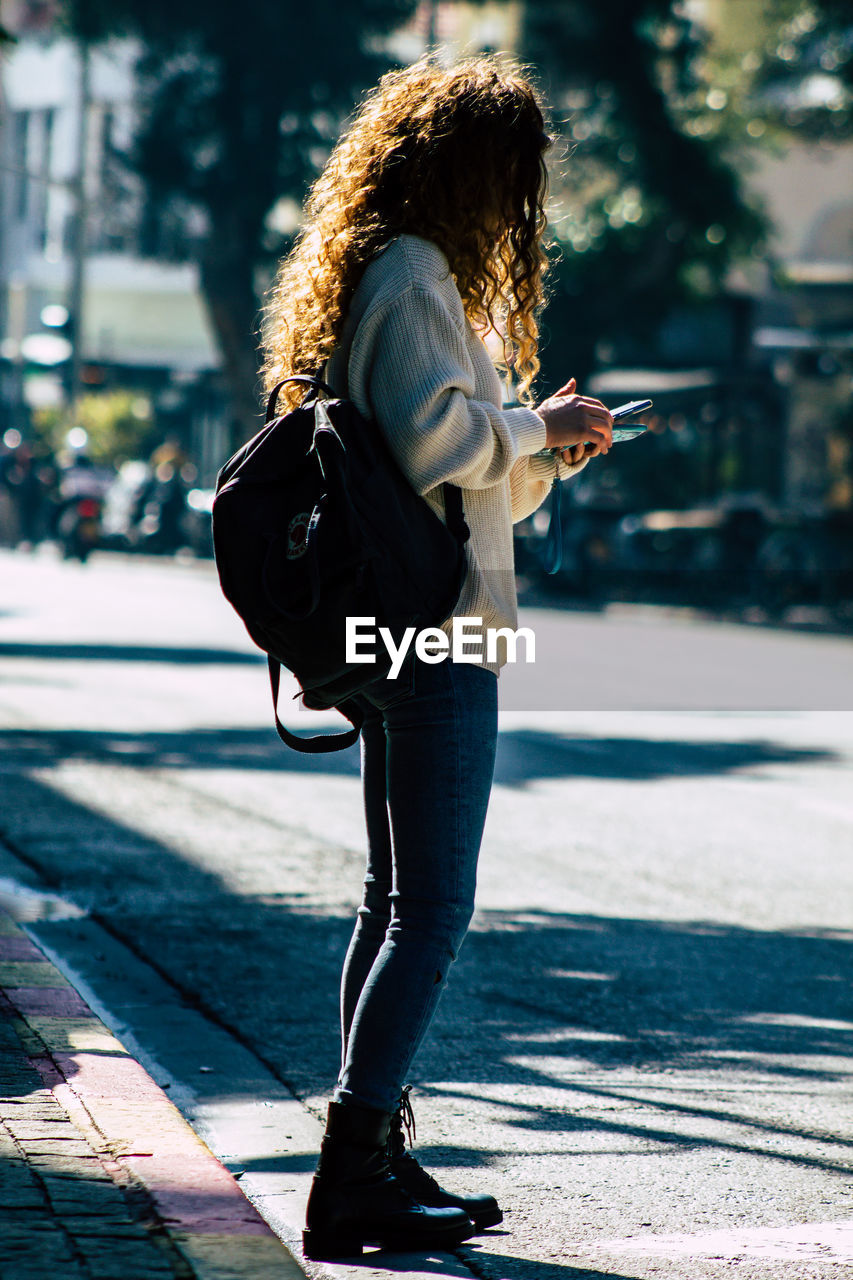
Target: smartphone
[(627, 411)]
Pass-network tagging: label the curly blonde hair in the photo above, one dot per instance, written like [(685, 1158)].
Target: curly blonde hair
[(454, 155)]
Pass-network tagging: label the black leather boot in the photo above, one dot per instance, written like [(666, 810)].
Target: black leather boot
[(355, 1200), (482, 1210)]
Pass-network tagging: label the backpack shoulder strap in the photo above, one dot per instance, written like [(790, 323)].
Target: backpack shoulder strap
[(309, 379), (320, 743), (454, 513)]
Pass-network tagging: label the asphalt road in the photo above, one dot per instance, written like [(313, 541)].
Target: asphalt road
[(646, 1047)]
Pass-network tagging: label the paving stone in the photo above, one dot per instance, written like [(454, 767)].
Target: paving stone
[(69, 1145), (30, 973), (73, 1034), (61, 1002), (78, 1167), (7, 1034), (89, 1198), (222, 1257), (119, 1076), (65, 1211), (85, 1200), (38, 1105), (18, 1077), (40, 1239), (127, 1260), (8, 1150), (28, 1130), (12, 1220), (30, 1044), (102, 1228), (21, 1196), (18, 947), (93, 1213), (36, 1267)]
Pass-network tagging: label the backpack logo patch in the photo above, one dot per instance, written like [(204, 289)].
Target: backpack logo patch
[(297, 535)]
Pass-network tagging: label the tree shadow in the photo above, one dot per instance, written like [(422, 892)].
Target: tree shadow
[(577, 1024), (537, 998), (530, 1270), (174, 656), (524, 755), (514, 1266)]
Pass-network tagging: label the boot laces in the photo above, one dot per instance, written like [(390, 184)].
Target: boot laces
[(406, 1114), (418, 1180)]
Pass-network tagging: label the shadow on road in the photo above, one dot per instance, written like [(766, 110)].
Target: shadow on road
[(547, 1270), (523, 755), (538, 999), (180, 656), (528, 754)]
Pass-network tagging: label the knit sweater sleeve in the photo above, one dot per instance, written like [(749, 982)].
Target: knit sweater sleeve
[(530, 482), (411, 354)]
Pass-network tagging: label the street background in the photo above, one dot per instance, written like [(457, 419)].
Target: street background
[(645, 1048), (700, 244)]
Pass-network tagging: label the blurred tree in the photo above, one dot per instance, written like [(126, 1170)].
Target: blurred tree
[(240, 104), (804, 68), (649, 204), (659, 119), (120, 426)]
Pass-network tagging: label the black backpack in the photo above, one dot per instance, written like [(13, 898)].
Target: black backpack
[(314, 522)]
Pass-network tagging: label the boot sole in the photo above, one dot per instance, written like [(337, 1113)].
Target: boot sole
[(319, 1247), (490, 1218)]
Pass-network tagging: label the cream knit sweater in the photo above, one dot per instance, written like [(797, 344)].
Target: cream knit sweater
[(409, 358)]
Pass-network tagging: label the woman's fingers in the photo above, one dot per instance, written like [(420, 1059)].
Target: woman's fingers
[(568, 389), (600, 420), (597, 440), (596, 409), (571, 419), (592, 448)]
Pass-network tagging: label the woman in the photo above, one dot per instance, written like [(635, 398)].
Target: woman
[(422, 235)]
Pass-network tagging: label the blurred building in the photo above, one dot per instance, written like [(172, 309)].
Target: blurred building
[(801, 297), (456, 28), (125, 280), (751, 391), (78, 235), (804, 316)]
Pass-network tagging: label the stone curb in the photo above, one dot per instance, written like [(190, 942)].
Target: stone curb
[(99, 1116)]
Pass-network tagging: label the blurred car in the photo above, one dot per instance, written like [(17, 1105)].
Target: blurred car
[(197, 521), (704, 554), (120, 505), (738, 551), (152, 510)]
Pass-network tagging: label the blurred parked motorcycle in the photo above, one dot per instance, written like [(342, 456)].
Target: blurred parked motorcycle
[(79, 528)]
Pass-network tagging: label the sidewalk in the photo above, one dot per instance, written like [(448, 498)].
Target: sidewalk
[(100, 1176)]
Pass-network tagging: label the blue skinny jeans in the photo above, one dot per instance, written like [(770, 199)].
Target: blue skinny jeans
[(427, 760)]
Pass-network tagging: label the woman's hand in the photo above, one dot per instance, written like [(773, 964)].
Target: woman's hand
[(579, 425)]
